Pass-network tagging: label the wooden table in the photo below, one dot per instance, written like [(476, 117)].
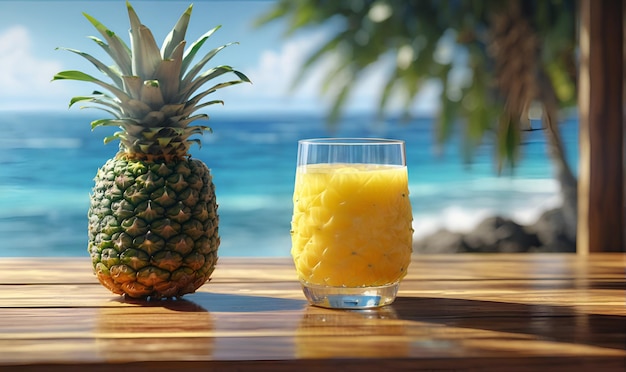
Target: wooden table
[(557, 312)]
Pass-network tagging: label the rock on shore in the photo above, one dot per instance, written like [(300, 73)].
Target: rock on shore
[(502, 235)]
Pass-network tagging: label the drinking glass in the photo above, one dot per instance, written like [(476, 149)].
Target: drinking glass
[(351, 227)]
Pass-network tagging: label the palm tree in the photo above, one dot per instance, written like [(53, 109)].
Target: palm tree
[(520, 59)]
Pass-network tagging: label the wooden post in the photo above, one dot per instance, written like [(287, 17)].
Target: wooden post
[(601, 166)]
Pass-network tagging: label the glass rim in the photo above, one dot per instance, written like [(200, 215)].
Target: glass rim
[(346, 141)]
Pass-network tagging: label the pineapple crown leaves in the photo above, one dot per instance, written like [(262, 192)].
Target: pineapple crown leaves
[(151, 87)]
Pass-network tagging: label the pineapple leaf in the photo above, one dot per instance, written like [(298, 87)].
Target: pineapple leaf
[(81, 76), (188, 90), (137, 109), (150, 133), (190, 54), (100, 99), (185, 122), (126, 143), (117, 49), (131, 127), (197, 129), (149, 88), (74, 75), (176, 35), (171, 110), (153, 119), (116, 67), (164, 141), (81, 98), (192, 104), (151, 94), (107, 123), (115, 114), (169, 72), (196, 141), (132, 85), (198, 66), (146, 56), (205, 104), (114, 75), (109, 139), (178, 131), (114, 136), (242, 76)]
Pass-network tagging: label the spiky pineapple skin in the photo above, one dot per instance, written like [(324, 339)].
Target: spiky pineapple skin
[(153, 227)]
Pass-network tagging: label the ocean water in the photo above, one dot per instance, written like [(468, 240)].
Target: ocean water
[(48, 161)]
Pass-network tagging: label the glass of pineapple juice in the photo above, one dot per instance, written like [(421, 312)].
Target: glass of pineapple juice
[(351, 227)]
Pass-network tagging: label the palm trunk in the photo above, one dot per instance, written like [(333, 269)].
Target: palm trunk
[(521, 79), (563, 172)]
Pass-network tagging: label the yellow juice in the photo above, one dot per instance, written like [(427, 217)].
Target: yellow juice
[(351, 225)]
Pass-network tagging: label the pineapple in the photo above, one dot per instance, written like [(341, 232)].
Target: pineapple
[(153, 222)]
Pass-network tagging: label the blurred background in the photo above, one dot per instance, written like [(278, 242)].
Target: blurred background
[(482, 92)]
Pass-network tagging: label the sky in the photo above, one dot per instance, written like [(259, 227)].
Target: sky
[(30, 32)]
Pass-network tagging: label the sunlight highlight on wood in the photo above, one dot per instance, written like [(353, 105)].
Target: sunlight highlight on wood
[(489, 312)]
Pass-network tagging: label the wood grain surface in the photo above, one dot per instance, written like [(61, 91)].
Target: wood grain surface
[(558, 312)]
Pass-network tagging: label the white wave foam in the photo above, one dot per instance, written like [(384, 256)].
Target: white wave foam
[(464, 217), (526, 185)]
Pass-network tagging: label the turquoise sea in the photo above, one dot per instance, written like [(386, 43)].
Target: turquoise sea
[(48, 160)]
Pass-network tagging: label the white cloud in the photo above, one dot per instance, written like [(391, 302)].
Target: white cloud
[(24, 79), (276, 69), (272, 75)]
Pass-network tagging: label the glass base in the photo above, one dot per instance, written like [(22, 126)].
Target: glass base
[(350, 297)]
